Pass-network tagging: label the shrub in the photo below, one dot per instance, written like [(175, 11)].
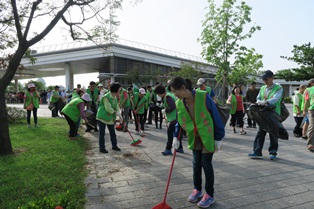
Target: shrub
[(287, 100), (15, 114)]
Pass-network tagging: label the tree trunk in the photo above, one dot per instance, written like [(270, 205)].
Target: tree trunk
[(5, 142)]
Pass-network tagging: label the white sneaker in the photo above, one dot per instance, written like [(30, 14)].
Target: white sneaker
[(137, 133)]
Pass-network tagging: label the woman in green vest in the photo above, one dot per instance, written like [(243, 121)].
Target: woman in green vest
[(31, 103), (138, 104), (106, 115), (73, 111), (237, 109), (125, 105), (170, 111), (198, 116)]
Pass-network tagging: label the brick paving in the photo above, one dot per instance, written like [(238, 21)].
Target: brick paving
[(136, 177)]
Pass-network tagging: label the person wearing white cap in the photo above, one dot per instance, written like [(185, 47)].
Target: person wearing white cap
[(138, 101), (31, 103), (73, 111), (202, 87)]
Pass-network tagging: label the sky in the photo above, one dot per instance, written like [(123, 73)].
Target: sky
[(177, 24)]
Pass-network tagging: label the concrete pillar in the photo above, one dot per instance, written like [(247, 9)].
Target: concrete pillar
[(68, 77), (112, 80), (16, 85), (290, 90)]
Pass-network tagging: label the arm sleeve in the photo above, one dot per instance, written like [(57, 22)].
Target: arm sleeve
[(219, 129), (171, 104), (81, 108), (108, 107), (212, 93), (276, 97)]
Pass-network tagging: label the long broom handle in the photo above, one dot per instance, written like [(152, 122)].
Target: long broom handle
[(171, 168)]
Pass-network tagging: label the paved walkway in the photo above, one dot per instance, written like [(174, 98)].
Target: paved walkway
[(136, 177)]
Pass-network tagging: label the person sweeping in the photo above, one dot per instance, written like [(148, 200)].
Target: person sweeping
[(198, 116)]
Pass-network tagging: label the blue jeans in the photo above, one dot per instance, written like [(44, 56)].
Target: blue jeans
[(259, 143), (101, 135), (203, 160)]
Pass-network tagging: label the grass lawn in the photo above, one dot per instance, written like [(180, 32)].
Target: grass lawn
[(47, 167)]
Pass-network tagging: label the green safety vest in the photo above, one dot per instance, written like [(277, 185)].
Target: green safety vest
[(301, 101), (270, 95), (75, 95), (233, 108), (207, 89), (95, 94), (171, 116), (52, 98), (138, 104), (102, 112), (203, 121), (31, 99), (311, 97), (148, 99), (72, 110), (127, 103)]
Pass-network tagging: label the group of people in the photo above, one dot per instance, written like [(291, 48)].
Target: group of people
[(179, 105)]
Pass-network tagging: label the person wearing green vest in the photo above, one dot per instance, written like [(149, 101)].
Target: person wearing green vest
[(170, 111), (201, 86), (309, 108), (73, 111), (31, 103), (125, 106), (54, 99), (106, 115), (298, 101), (269, 94), (198, 116), (93, 105), (305, 108), (138, 104), (237, 109)]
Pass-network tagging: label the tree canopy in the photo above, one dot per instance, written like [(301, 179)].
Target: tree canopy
[(224, 29), (24, 23), (304, 57)]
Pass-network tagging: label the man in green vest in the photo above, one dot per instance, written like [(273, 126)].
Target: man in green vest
[(298, 110), (138, 104), (151, 105), (201, 86), (54, 99), (309, 108), (93, 105), (269, 94)]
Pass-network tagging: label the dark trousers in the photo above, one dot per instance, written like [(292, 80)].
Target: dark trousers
[(29, 115), (101, 135), (170, 130), (203, 161), (73, 126), (150, 114), (297, 130), (158, 112), (237, 117), (54, 112), (259, 143), (251, 122), (139, 120)]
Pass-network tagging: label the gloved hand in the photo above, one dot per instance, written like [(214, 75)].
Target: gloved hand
[(175, 143), (119, 115), (163, 111), (262, 103), (218, 145)]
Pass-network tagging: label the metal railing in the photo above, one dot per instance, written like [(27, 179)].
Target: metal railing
[(80, 44)]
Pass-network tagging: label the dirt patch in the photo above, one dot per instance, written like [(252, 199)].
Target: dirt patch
[(128, 155), (114, 170)]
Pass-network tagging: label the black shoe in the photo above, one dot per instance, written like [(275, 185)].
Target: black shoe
[(116, 148), (103, 151), (160, 127), (88, 130), (96, 130), (149, 123), (249, 126)]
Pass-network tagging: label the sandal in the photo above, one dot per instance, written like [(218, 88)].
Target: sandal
[(242, 132)]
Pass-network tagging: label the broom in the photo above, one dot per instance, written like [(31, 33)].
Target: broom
[(134, 141)]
